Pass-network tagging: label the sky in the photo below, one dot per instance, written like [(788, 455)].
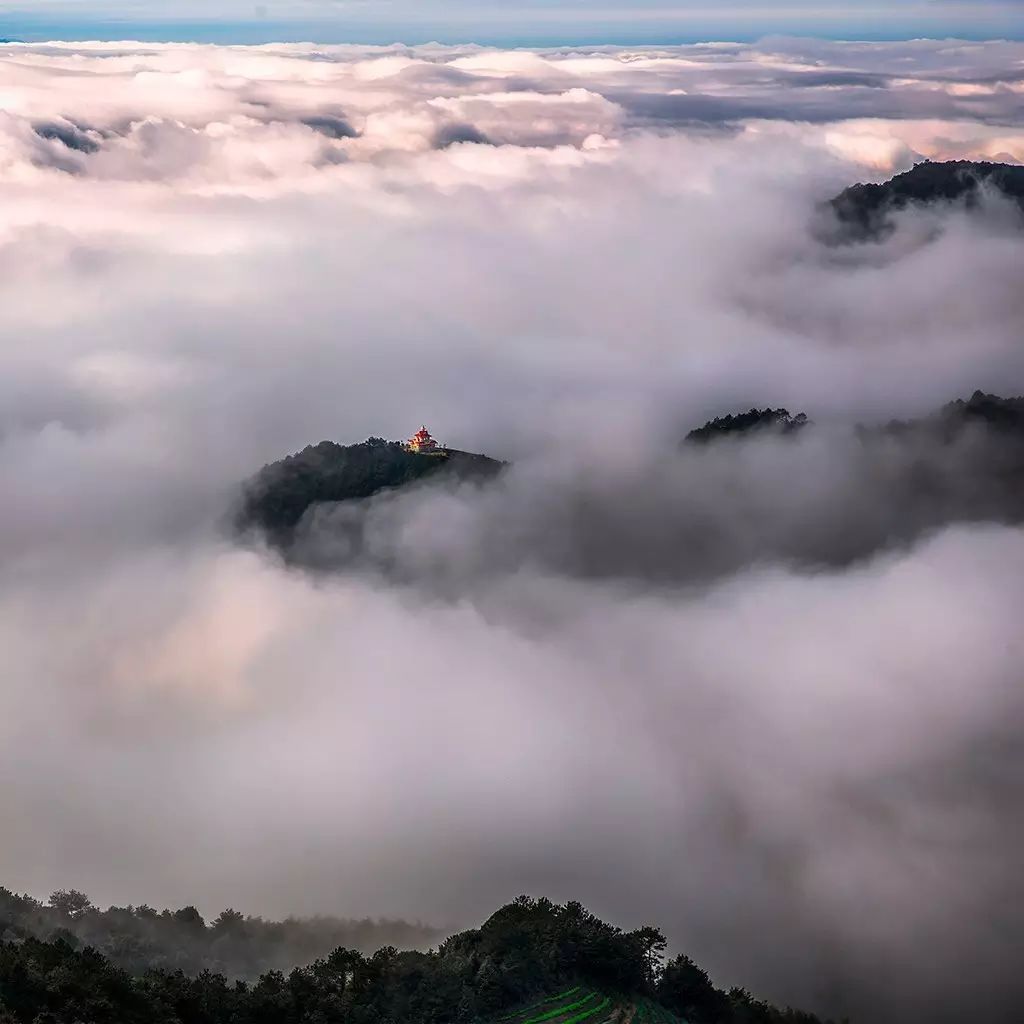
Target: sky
[(521, 22), (760, 696)]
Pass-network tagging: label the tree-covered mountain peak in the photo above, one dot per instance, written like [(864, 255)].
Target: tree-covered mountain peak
[(864, 211), (280, 494)]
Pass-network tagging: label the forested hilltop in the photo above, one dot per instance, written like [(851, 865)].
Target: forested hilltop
[(533, 961), (962, 463), (834, 494), (754, 421), (140, 938), (863, 211), (279, 495), (990, 415)]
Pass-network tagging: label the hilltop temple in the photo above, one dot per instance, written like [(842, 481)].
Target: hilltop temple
[(423, 444)]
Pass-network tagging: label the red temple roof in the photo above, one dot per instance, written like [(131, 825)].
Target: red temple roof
[(421, 441)]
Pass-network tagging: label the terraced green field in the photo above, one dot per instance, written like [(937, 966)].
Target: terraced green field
[(579, 1005)]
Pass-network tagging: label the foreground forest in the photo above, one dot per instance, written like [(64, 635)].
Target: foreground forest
[(233, 944), (528, 950)]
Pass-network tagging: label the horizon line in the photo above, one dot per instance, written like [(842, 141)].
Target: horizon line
[(539, 43)]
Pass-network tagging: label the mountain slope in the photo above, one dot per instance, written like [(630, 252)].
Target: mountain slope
[(773, 421), (280, 494), (864, 211), (1002, 418), (532, 962), (238, 946)]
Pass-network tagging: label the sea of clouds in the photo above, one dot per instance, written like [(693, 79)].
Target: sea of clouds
[(807, 770)]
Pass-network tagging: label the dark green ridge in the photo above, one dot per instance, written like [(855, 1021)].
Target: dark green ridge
[(863, 212), (527, 948), (280, 494)]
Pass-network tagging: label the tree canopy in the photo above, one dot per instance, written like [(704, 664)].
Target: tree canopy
[(777, 421), (280, 494), (527, 950), (233, 944), (863, 211)]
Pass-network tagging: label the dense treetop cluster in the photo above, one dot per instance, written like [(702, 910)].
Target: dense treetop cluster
[(528, 949), (863, 210), (995, 416), (238, 946), (1000, 416), (777, 421), (277, 497)]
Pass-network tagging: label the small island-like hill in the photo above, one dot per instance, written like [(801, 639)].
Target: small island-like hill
[(276, 498)]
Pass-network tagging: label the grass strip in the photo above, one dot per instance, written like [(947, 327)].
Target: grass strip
[(588, 1013), (559, 1010), (550, 999)]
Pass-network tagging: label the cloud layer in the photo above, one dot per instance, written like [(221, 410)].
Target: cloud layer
[(214, 256)]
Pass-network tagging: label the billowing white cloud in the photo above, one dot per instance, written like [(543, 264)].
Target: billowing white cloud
[(210, 257)]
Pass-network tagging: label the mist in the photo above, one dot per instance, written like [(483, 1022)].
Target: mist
[(756, 694)]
